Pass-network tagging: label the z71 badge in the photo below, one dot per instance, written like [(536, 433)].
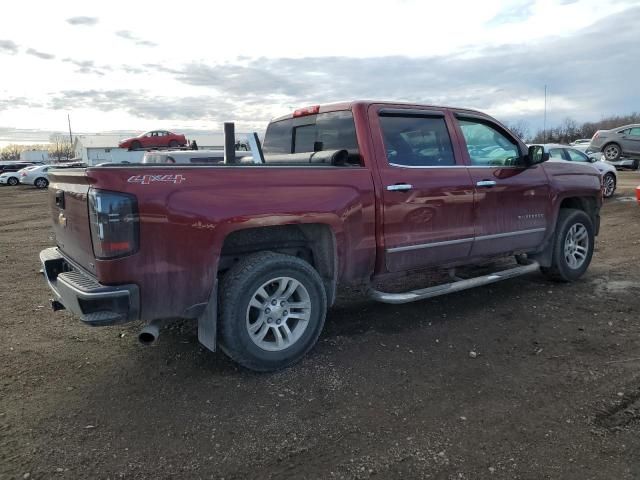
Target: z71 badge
[(147, 179)]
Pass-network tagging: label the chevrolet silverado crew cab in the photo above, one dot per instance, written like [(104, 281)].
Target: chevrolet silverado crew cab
[(343, 194)]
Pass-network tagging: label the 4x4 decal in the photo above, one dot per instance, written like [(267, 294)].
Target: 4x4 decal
[(147, 179)]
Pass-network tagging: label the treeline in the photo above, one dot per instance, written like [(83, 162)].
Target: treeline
[(570, 130), (59, 148)]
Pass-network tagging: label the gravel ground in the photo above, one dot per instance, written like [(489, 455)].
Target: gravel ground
[(552, 389)]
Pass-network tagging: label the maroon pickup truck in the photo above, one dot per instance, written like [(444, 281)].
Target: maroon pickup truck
[(348, 193)]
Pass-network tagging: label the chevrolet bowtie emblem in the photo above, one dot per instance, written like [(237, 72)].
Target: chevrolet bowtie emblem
[(62, 220)]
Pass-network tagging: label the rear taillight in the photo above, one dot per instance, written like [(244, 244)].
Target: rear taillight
[(114, 221)]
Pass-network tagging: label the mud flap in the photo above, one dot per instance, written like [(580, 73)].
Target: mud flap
[(208, 321)]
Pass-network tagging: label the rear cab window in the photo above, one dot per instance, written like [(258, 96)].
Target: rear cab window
[(302, 138)]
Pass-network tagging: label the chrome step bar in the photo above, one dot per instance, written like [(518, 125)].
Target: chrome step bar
[(421, 294)]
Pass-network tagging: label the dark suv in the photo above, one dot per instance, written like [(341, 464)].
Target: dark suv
[(14, 166)]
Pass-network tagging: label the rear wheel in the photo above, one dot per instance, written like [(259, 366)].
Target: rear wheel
[(272, 310), (573, 246), (13, 181), (609, 185), (41, 182), (612, 152)]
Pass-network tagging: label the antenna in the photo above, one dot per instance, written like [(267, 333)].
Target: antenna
[(544, 128)]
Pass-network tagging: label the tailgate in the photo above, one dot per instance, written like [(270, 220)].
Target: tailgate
[(70, 214)]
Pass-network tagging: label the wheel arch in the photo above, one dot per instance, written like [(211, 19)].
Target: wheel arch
[(312, 242), (589, 205)]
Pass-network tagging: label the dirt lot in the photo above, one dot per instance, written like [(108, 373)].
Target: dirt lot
[(389, 392)]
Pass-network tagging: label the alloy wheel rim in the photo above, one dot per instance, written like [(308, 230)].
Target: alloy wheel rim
[(278, 314), (576, 246), (41, 183), (609, 185), (611, 152)]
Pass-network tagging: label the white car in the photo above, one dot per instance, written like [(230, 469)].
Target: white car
[(36, 176), (13, 178), (581, 144), (565, 153)]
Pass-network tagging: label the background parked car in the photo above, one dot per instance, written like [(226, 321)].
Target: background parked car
[(12, 178), (618, 142), (581, 144), (10, 168), (190, 156), (38, 176), (154, 138), (564, 153)]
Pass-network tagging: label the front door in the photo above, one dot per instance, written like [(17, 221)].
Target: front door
[(427, 196), (512, 202)]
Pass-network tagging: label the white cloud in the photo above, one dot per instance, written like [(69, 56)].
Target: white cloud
[(252, 59)]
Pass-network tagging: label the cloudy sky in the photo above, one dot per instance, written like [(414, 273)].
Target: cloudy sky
[(188, 65)]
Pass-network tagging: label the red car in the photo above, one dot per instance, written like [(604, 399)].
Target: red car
[(155, 138)]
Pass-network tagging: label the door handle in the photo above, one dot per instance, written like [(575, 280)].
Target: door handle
[(399, 187), (486, 183)]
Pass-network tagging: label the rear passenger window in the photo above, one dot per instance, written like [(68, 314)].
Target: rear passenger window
[(416, 141)]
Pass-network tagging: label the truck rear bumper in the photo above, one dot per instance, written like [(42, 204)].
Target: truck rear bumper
[(80, 293)]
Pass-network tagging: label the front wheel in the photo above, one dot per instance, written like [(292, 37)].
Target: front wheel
[(13, 181), (41, 182), (573, 246), (272, 310), (609, 185)]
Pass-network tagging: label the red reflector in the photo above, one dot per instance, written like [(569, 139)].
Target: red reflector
[(116, 246), (301, 112)]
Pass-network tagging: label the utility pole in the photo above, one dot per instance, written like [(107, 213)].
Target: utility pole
[(544, 127), (69, 122), (70, 136)]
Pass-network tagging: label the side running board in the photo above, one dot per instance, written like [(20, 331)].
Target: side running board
[(421, 294)]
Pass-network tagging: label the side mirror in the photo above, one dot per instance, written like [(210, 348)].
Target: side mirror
[(536, 155)]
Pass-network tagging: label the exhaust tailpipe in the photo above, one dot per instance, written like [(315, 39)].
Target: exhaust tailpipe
[(149, 334)]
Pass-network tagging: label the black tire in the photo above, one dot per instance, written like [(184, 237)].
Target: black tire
[(173, 143), (609, 177), (560, 270), (135, 145), (636, 164), (612, 152), (41, 183), (12, 181), (238, 288)]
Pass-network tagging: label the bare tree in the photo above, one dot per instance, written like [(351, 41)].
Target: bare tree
[(60, 147), (11, 152), (520, 128)]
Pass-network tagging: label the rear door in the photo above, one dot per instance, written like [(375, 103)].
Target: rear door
[(512, 202), (427, 196), (631, 140)]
